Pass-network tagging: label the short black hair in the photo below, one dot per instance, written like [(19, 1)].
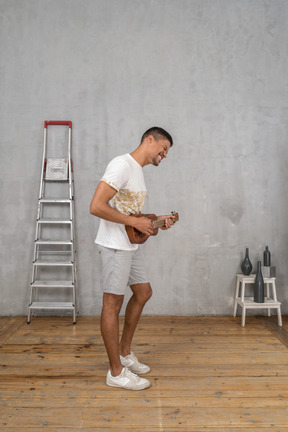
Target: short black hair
[(157, 132)]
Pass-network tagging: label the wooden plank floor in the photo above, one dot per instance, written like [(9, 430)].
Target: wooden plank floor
[(208, 374)]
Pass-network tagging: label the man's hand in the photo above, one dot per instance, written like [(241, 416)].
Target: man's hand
[(169, 221), (142, 224)]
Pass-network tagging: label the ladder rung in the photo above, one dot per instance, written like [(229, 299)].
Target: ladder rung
[(53, 263), (52, 284), (64, 180), (52, 305), (54, 242), (55, 200), (55, 252), (54, 221)]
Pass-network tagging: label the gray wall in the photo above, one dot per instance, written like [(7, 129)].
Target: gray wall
[(214, 73)]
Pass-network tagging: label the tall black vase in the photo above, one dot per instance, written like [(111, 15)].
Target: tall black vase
[(259, 285), (246, 265)]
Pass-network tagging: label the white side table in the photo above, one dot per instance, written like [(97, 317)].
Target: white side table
[(248, 302)]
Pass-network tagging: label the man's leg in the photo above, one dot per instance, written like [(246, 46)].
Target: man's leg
[(141, 294), (116, 269), (117, 375), (110, 330)]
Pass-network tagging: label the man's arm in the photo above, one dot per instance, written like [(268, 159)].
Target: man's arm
[(99, 207)]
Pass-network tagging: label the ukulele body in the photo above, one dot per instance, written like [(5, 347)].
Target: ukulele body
[(137, 237)]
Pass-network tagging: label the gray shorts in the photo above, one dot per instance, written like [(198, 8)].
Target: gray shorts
[(121, 268)]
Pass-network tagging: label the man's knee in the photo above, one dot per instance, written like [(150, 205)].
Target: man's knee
[(149, 292), (143, 292), (112, 303)]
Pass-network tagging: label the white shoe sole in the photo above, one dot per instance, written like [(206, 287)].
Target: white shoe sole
[(140, 387)]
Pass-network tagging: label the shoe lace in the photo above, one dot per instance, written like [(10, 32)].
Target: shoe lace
[(134, 357), (126, 372)]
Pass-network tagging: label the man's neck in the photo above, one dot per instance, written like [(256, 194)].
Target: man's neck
[(140, 156)]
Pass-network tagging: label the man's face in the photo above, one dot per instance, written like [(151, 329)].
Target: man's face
[(160, 149)]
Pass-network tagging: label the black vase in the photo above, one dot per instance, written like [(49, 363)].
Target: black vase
[(246, 265), (267, 257), (259, 285)]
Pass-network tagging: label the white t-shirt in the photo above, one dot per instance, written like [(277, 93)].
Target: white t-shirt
[(125, 175)]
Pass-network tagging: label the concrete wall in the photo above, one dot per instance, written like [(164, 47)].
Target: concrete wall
[(214, 73)]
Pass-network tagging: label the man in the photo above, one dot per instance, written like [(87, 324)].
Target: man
[(120, 194)]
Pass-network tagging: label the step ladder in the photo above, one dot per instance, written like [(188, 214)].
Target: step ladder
[(53, 280)]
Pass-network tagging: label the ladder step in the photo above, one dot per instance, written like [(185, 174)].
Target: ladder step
[(54, 242), (56, 180), (52, 284), (55, 200), (52, 305), (54, 221), (53, 263)]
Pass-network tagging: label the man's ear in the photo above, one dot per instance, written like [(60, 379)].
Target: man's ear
[(150, 139)]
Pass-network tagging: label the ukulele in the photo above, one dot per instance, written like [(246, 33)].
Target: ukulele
[(136, 236)]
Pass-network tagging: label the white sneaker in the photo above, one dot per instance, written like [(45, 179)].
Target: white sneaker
[(127, 380), (131, 362)]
